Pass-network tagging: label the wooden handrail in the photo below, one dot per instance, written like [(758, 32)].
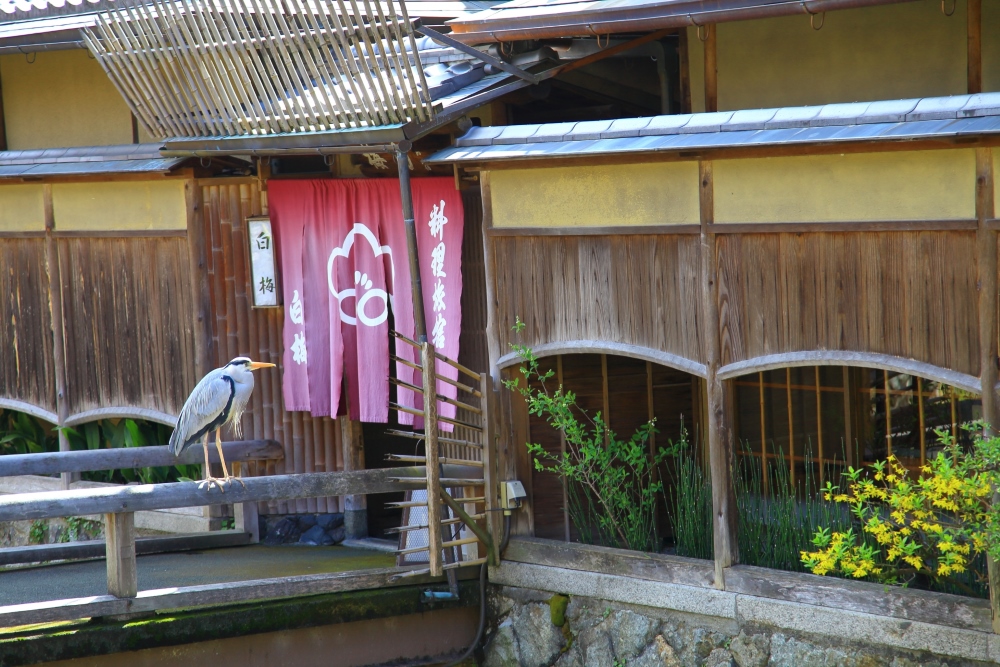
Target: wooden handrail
[(110, 500), (53, 463)]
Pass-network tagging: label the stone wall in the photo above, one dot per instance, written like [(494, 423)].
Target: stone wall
[(531, 628)]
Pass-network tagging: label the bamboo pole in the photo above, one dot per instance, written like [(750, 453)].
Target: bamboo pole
[(431, 447)]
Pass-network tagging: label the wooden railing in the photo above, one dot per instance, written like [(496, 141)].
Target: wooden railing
[(119, 503), (54, 463), (469, 446)]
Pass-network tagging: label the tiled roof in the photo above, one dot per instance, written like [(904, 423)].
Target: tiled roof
[(855, 121), (128, 158)]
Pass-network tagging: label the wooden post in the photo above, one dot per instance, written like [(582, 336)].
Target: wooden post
[(119, 536), (3, 124), (711, 70), (406, 196), (848, 417), (58, 332), (198, 260), (719, 436), (974, 53), (429, 374), (491, 498), (246, 517), (355, 506), (986, 240)]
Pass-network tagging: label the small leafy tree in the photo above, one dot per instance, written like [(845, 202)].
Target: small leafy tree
[(609, 479), (932, 526)]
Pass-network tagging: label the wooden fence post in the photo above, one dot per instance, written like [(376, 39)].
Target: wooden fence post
[(246, 516), (356, 505), (429, 374), (491, 499), (720, 452), (986, 240), (119, 536)]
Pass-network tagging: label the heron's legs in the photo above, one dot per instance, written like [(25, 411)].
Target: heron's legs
[(226, 477), (209, 480)]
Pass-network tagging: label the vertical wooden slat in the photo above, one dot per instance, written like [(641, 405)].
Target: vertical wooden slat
[(791, 426), (765, 478), (974, 51), (119, 536), (726, 549), (3, 123), (848, 416), (920, 413), (562, 451), (711, 69), (655, 470), (819, 429), (428, 365), (604, 392), (888, 413)]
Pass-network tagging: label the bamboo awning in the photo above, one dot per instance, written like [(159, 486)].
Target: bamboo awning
[(214, 68)]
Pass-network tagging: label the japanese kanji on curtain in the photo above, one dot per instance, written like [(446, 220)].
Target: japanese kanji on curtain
[(345, 276)]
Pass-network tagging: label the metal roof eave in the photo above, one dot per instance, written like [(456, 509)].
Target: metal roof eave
[(874, 133), (335, 141), (553, 20)]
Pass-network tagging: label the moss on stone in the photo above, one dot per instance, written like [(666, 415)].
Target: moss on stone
[(557, 609)]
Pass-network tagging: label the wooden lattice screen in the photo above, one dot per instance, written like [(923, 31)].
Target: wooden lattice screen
[(210, 68)]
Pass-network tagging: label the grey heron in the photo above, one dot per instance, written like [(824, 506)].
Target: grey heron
[(217, 400)]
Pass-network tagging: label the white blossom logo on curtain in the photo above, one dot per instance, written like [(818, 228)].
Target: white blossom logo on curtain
[(436, 224), (363, 291), (299, 342)]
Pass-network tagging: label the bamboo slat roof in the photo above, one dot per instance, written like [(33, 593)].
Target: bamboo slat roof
[(208, 68)]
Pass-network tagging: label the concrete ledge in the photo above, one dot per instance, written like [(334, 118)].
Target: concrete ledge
[(616, 588), (869, 628), (840, 624)]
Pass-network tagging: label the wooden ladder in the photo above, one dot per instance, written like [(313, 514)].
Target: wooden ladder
[(468, 445)]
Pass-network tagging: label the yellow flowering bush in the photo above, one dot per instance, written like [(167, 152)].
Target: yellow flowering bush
[(931, 526)]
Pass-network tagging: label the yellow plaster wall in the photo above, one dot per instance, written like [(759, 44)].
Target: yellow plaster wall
[(22, 208), (61, 99), (875, 53), (121, 205), (919, 185), (596, 196)]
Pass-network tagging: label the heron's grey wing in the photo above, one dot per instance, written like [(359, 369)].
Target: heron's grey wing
[(204, 406)]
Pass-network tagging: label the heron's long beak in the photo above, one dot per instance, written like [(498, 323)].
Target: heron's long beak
[(254, 365)]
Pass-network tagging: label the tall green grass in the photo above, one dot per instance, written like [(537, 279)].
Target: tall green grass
[(775, 527), (690, 508)]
